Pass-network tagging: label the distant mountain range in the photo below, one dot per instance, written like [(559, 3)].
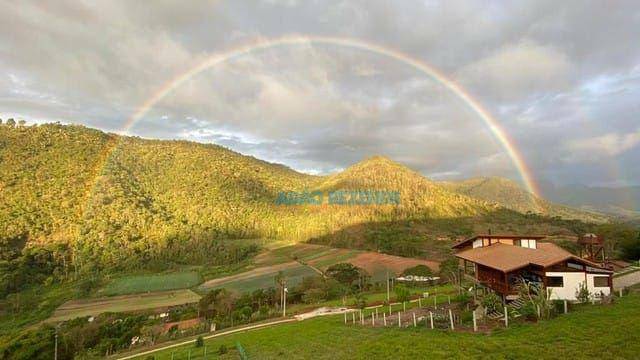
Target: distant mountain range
[(511, 195), (122, 201), (619, 201)]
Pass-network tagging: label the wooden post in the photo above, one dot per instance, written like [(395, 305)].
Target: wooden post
[(620, 292), (475, 324), (373, 320), (431, 318), (384, 318), (538, 310), (361, 318), (404, 306), (506, 317), (451, 318), (414, 320), (389, 309), (566, 309), (420, 302), (449, 298), (345, 317), (376, 313), (435, 302), (399, 320), (353, 316)]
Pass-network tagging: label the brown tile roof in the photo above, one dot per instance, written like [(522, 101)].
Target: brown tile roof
[(510, 257), (460, 243)]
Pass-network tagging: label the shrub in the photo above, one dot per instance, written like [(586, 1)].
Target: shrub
[(582, 293), (199, 341), (491, 302), (222, 349)]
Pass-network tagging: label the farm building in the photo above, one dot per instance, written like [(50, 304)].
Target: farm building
[(500, 262)]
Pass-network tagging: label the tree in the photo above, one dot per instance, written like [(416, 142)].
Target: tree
[(402, 293), (418, 270), (21, 123), (630, 247), (449, 269), (345, 273), (11, 122)]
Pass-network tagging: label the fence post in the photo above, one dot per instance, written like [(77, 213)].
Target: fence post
[(620, 292), (404, 306), (506, 317), (449, 299), (384, 318), (566, 308), (353, 317), (399, 320), (475, 325), (376, 313), (373, 320), (538, 310), (205, 353), (361, 318), (414, 320), (431, 318), (389, 309), (435, 302), (345, 317), (451, 318)]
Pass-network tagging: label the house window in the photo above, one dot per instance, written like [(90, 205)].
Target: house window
[(555, 281), (600, 281)]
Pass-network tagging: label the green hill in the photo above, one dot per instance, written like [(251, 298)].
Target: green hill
[(511, 195), (151, 203)]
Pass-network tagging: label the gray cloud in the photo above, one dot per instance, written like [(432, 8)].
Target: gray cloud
[(563, 79)]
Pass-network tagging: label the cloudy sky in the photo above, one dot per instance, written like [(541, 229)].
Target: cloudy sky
[(562, 79)]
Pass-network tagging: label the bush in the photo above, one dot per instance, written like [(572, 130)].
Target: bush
[(222, 349), (491, 302), (582, 293), (199, 341)]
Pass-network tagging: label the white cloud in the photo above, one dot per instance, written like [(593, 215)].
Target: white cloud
[(604, 146), (518, 70)]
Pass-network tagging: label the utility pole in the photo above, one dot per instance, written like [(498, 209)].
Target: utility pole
[(284, 307), (388, 300), (55, 354)]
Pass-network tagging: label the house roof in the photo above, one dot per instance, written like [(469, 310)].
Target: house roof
[(471, 239), (509, 257)]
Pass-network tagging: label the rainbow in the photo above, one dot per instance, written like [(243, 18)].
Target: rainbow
[(494, 126)]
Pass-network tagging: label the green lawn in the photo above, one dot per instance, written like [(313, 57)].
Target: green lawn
[(148, 283), (589, 332)]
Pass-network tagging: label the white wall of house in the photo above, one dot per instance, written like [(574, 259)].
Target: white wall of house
[(596, 290), (571, 282)]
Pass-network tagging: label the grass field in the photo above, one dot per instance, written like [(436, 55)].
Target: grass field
[(589, 332), (79, 308), (147, 283)]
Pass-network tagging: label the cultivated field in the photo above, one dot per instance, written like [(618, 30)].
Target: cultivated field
[(91, 307), (147, 283), (300, 260), (589, 332)]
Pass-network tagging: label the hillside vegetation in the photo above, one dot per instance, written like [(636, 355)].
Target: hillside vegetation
[(77, 199), (511, 195)]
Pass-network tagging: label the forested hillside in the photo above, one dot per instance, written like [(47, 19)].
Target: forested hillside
[(509, 194), (89, 200)]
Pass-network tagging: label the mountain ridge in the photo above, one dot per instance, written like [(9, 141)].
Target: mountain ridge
[(161, 200)]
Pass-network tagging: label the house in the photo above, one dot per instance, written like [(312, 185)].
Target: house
[(501, 262)]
